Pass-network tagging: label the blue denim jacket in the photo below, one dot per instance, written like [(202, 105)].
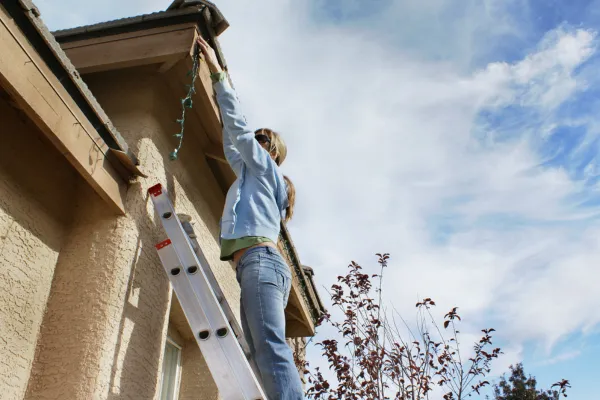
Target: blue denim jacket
[(256, 201)]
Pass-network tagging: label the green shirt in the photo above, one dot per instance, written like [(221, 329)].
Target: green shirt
[(230, 246)]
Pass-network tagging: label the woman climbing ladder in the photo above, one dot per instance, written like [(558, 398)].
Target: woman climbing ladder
[(250, 225)]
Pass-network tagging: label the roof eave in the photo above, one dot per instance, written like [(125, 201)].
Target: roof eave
[(219, 22), (27, 17)]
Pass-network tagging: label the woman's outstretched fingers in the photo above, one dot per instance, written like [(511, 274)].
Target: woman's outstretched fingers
[(203, 45), (201, 42), (209, 55)]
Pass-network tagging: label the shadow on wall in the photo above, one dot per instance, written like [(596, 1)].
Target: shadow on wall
[(196, 381), (37, 184), (139, 346), (36, 193)]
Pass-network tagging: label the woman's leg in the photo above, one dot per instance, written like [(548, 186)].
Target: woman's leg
[(265, 281), (244, 320)]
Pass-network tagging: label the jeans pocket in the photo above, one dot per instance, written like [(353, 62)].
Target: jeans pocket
[(286, 287), (249, 261), (282, 281), (270, 275)]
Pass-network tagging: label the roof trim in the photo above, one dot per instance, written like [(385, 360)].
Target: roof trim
[(219, 23), (310, 273), (315, 306), (123, 25), (27, 18)]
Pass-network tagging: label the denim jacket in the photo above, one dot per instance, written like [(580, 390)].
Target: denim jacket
[(256, 201)]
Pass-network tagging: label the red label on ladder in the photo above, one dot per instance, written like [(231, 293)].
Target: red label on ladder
[(163, 244), (155, 190)]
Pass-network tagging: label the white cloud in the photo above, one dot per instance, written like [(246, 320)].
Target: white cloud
[(380, 142), (546, 74), (566, 356)]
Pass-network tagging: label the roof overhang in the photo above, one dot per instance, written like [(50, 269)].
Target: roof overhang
[(42, 82), (165, 39), (218, 21)]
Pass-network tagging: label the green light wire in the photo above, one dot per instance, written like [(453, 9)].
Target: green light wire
[(187, 102)]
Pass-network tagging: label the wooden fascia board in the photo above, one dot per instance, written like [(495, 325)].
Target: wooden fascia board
[(299, 308), (152, 46), (27, 17), (297, 305), (314, 294), (205, 102), (36, 90)]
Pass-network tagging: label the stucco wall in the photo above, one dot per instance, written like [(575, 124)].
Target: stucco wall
[(196, 382), (298, 346), (36, 190), (103, 333)]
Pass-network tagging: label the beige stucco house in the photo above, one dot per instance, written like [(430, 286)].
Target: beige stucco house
[(87, 118)]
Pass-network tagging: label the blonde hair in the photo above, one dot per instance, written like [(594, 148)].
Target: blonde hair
[(278, 146), (291, 193)]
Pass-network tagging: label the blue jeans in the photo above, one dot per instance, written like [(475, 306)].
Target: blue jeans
[(266, 280)]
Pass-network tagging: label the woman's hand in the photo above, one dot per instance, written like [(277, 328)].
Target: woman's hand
[(209, 55)]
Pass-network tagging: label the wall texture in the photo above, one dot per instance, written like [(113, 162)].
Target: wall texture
[(36, 190), (108, 309), (196, 382)]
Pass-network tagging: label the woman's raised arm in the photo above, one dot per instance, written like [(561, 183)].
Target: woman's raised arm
[(238, 140)]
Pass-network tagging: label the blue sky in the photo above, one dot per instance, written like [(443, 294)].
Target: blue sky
[(461, 137)]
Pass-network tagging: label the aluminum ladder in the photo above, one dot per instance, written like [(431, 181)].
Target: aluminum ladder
[(214, 326)]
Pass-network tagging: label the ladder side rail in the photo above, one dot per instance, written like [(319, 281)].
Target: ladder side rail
[(237, 330)]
